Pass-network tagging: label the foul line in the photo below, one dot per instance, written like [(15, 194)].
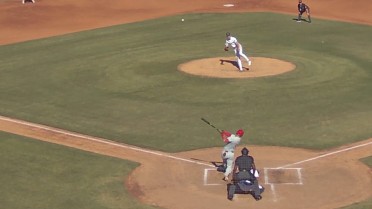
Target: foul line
[(100, 140), (275, 198), (105, 141), (325, 155)]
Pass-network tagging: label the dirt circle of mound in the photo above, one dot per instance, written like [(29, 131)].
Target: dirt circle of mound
[(227, 67)]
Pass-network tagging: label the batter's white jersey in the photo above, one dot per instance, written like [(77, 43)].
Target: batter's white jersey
[(228, 153), (233, 142)]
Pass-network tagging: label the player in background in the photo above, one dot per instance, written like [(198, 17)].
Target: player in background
[(302, 7)]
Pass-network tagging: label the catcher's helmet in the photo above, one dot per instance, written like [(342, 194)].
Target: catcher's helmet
[(245, 151), (240, 132)]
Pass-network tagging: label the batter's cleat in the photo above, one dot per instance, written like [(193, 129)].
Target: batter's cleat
[(225, 178), (257, 198), (249, 63)]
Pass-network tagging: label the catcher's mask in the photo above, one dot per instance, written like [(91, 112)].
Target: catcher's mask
[(240, 132)]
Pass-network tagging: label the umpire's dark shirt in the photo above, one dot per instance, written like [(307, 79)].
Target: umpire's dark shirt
[(244, 162)]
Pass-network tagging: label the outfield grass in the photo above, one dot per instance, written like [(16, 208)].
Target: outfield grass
[(121, 82), (41, 175)]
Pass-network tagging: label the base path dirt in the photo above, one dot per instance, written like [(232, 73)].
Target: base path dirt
[(20, 22), (292, 177), (307, 179)]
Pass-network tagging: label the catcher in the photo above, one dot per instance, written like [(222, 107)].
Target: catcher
[(302, 7), (245, 177)]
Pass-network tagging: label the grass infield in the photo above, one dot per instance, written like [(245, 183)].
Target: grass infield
[(122, 82)]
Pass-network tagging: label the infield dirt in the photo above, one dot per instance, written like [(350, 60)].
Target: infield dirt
[(180, 184)]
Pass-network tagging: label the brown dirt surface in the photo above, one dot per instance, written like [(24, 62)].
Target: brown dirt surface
[(49, 18), (226, 67), (322, 180), (293, 178)]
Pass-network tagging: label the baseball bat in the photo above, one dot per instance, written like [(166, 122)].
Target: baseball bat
[(207, 122)]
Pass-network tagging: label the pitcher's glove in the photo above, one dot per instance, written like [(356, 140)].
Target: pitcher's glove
[(226, 48)]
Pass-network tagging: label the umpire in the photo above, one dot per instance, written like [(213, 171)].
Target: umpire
[(244, 180), (244, 162)]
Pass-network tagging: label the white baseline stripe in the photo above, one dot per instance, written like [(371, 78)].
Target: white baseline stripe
[(325, 155), (104, 141)]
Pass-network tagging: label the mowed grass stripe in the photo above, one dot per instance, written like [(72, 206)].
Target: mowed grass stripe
[(122, 82)]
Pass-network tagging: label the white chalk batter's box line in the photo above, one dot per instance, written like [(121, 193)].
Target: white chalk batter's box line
[(266, 176), (205, 179)]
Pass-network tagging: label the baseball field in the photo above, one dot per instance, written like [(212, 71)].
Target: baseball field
[(100, 104)]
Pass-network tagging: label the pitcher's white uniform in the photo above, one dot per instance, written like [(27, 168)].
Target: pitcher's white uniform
[(227, 155), (238, 49)]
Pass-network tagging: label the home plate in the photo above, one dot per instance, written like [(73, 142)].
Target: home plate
[(228, 5)]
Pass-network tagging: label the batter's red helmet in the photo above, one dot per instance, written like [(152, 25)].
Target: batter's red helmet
[(240, 132)]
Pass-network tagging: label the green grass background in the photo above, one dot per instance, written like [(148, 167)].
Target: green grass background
[(362, 205), (122, 82), (41, 175), (37, 174)]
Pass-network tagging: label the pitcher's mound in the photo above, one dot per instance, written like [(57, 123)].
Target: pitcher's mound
[(227, 67)]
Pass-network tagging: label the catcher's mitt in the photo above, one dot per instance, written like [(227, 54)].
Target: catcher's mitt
[(226, 49)]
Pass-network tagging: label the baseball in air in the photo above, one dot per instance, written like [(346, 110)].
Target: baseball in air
[(182, 19)]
